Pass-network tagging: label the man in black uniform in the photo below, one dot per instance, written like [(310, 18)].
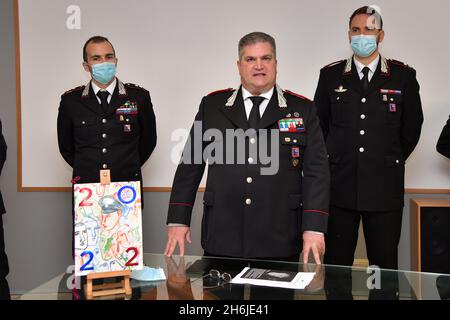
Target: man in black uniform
[(250, 213), (443, 144), (371, 116), (106, 124), (443, 147), (4, 268)]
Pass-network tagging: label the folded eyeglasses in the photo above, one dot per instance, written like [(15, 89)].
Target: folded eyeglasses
[(215, 279)]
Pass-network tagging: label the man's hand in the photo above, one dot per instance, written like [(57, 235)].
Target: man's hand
[(318, 281), (176, 235), (176, 273), (314, 242)]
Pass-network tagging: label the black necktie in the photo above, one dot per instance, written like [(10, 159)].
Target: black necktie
[(365, 78), (254, 117), (103, 95)]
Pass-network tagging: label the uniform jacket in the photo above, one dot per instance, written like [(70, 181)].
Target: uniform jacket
[(2, 162), (247, 214), (443, 145), (369, 134), (121, 139)]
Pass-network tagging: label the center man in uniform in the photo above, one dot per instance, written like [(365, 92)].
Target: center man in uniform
[(250, 213)]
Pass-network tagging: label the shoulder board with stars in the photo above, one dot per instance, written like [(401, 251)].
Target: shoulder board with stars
[(399, 63), (297, 95), (135, 86), (221, 91), (333, 64), (74, 89)]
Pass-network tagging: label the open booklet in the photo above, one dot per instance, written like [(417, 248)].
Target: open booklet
[(274, 278)]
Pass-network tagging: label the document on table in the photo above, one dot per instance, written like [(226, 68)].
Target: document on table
[(274, 278)]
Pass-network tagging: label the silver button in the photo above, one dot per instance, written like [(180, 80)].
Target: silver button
[(363, 100), (104, 135), (362, 132), (249, 180), (397, 161), (104, 120), (392, 99), (105, 166), (248, 201), (127, 120), (252, 140), (83, 122), (338, 98), (361, 149), (250, 160), (104, 150), (363, 116)]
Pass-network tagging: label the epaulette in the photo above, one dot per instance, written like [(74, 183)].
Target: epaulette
[(400, 63), (135, 86), (74, 89), (297, 95), (221, 91), (333, 64)]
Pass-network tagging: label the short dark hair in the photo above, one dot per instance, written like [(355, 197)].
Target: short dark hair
[(253, 38), (370, 11), (95, 39)]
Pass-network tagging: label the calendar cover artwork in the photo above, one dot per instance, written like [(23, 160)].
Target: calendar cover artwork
[(107, 227)]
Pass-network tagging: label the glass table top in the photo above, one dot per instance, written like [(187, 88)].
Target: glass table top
[(188, 278)]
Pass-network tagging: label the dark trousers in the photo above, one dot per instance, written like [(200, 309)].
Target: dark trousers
[(4, 268), (382, 235), (256, 292)]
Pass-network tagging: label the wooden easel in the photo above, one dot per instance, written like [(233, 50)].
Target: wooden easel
[(114, 289)]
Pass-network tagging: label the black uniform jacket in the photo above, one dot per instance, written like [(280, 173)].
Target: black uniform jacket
[(247, 213), (443, 144), (2, 162), (369, 134), (121, 139)]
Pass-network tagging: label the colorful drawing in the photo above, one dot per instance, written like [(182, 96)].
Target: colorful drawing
[(107, 227)]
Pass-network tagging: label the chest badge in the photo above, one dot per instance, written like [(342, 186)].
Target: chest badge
[(391, 91), (127, 128), (392, 107), (341, 89), (291, 125), (129, 107)]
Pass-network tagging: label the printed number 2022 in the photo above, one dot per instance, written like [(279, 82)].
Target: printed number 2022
[(87, 266)]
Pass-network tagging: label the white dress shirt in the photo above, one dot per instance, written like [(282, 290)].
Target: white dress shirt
[(110, 89), (249, 104), (372, 67)]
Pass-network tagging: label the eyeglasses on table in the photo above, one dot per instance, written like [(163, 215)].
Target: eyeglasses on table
[(214, 278)]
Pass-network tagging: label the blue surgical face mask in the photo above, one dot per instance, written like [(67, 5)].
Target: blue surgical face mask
[(104, 72), (364, 45), (148, 274)]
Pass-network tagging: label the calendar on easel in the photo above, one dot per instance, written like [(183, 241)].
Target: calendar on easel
[(107, 229)]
